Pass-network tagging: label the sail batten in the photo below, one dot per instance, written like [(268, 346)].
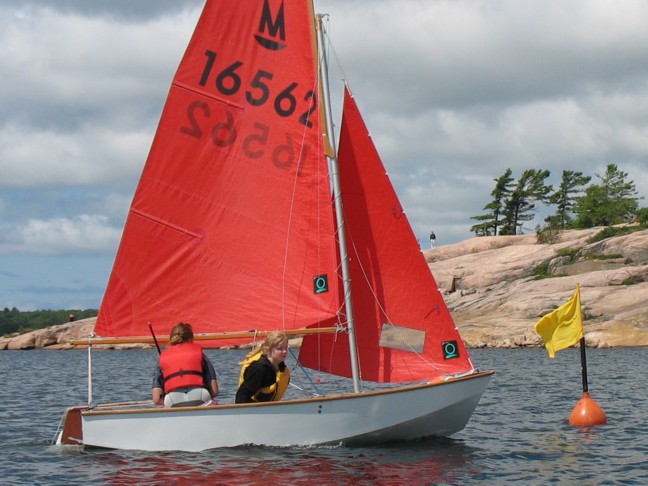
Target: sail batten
[(168, 224), (208, 95)]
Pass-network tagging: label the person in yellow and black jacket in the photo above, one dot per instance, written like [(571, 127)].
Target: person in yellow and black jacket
[(184, 376), (264, 376)]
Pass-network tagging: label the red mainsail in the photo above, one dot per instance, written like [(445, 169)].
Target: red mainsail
[(404, 330), (231, 226)]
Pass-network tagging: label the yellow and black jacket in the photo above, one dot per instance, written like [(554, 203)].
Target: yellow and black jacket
[(259, 381)]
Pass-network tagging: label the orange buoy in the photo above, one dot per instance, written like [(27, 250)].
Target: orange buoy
[(587, 412)]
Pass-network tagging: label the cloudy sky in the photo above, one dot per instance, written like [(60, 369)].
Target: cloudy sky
[(454, 92)]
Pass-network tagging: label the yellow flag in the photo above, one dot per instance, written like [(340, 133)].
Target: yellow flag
[(563, 327)]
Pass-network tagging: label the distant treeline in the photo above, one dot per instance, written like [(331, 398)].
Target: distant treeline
[(614, 200), (14, 321)]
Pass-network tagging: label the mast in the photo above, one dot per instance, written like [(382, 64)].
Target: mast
[(339, 212)]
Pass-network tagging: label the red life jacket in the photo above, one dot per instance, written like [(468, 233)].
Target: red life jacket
[(182, 366)]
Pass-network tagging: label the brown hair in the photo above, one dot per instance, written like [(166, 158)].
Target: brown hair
[(181, 333)]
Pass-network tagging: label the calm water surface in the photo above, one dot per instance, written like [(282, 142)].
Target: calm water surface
[(519, 433)]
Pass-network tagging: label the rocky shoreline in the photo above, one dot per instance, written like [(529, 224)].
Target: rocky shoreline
[(491, 287)]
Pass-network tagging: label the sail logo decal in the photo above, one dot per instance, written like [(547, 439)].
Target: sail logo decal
[(450, 349), (320, 284), (272, 31)]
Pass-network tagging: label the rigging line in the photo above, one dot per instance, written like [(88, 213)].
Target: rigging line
[(331, 50), (382, 309), (320, 152), (290, 214), (327, 48), (333, 54), (306, 373), (338, 268), (304, 391)]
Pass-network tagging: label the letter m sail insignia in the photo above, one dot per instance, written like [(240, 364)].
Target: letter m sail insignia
[(272, 31)]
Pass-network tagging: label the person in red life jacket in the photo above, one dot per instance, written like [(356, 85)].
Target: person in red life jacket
[(184, 376), (264, 376)]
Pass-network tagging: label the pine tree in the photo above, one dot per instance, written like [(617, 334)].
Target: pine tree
[(520, 206), (613, 201), (565, 198), (492, 219)]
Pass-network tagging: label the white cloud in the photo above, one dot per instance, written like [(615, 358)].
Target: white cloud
[(81, 95), (79, 234)]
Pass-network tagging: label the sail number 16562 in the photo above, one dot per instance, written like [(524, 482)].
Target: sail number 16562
[(228, 82)]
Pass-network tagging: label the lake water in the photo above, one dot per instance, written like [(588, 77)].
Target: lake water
[(518, 434)]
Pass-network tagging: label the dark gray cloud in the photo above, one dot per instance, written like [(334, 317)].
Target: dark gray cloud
[(118, 10)]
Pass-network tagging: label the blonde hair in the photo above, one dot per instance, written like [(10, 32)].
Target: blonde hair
[(272, 340), (181, 333)]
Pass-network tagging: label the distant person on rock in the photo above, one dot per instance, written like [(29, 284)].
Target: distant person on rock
[(184, 376), (432, 239)]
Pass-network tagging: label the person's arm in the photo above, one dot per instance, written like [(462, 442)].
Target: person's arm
[(213, 388), (211, 381), (157, 390), (157, 395)]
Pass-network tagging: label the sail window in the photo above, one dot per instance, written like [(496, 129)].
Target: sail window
[(404, 338)]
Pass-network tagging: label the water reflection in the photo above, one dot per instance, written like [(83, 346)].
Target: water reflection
[(443, 461)]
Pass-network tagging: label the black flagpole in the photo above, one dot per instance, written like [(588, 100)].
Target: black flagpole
[(586, 412), (583, 364)]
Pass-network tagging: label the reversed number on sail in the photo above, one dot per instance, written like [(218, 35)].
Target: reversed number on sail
[(224, 133)]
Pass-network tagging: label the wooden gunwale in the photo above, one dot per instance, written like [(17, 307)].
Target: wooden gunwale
[(94, 412)]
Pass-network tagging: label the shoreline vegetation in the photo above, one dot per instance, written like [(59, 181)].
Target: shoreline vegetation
[(498, 287)]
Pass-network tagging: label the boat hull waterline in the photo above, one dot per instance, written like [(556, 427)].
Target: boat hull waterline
[(401, 414)]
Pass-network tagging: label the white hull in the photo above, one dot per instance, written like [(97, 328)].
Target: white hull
[(406, 413)]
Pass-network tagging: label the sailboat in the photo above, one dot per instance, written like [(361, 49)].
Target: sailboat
[(247, 220)]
